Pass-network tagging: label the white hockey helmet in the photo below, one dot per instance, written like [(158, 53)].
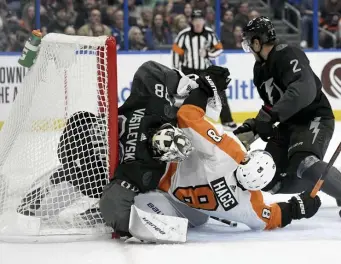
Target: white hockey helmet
[(257, 171), (170, 144)]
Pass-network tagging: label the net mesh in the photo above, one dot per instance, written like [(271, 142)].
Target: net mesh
[(56, 148)]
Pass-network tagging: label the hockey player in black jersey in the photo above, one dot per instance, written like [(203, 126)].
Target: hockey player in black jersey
[(142, 120), (148, 140), (82, 148), (82, 145), (153, 78), (293, 96)]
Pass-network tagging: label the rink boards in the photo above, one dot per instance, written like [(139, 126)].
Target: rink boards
[(242, 94)]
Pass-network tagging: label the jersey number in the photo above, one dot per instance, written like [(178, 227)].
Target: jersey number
[(266, 213), (161, 91), (294, 68), (199, 197), (212, 134)]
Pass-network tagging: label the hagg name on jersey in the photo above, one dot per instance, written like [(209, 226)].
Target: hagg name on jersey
[(224, 194)]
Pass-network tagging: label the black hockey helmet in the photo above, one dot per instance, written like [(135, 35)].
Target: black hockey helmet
[(260, 28)]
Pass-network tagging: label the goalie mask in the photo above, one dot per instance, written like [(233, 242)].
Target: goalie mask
[(257, 171), (170, 144)]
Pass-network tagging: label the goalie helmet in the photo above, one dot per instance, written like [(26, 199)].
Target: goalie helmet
[(170, 144), (257, 171)]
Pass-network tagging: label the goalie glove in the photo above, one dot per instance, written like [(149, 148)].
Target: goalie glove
[(186, 84)]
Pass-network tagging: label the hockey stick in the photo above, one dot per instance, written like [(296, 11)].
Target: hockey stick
[(224, 221), (319, 183)]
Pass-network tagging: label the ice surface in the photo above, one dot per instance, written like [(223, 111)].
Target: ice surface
[(317, 240)]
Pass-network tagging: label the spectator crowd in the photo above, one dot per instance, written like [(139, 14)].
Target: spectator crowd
[(329, 21), (153, 24)]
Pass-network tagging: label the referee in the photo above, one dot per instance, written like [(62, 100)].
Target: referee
[(191, 52)]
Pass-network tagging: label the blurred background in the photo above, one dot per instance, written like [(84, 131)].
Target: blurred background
[(143, 25)]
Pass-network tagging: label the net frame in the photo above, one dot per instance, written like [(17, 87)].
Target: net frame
[(106, 56)]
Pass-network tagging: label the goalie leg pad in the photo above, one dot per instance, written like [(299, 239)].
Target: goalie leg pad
[(159, 202), (157, 228)]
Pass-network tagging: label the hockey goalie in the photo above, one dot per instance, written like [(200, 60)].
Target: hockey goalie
[(82, 147), (83, 152)]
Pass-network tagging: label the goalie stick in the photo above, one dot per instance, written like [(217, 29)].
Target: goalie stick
[(224, 221), (320, 181)]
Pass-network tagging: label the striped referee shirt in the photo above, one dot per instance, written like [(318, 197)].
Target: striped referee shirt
[(193, 50)]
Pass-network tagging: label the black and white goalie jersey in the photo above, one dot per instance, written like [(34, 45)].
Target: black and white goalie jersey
[(153, 78), (139, 118), (286, 82)]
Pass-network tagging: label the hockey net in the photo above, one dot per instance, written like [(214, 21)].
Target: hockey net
[(58, 146)]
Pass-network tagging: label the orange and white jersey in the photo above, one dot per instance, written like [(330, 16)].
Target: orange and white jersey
[(205, 181)]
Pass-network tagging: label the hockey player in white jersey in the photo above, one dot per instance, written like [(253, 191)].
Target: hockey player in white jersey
[(218, 179)]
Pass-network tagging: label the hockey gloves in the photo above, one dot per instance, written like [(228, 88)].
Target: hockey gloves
[(215, 78), (247, 126), (187, 83), (264, 123), (245, 132), (303, 206), (298, 207)]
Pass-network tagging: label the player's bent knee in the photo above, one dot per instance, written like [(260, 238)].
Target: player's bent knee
[(312, 167), (300, 162), (115, 206), (305, 164)]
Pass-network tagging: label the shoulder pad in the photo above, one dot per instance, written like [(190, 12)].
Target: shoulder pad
[(281, 47)]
